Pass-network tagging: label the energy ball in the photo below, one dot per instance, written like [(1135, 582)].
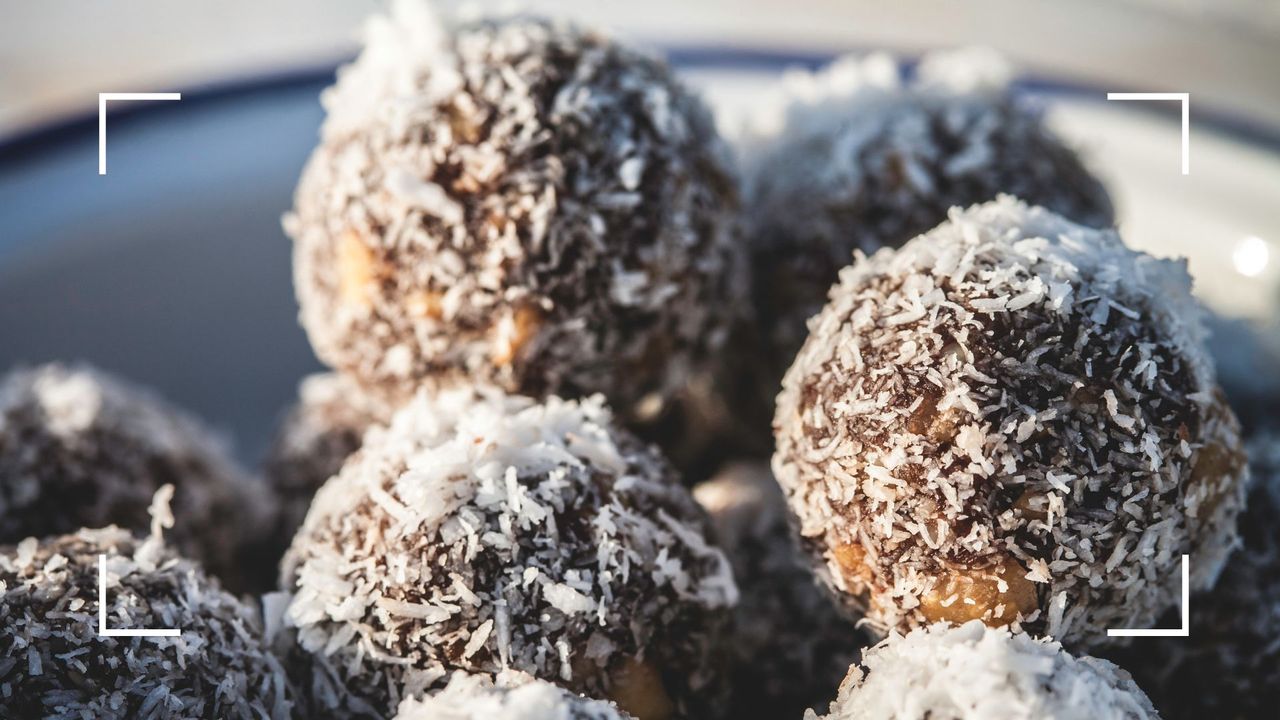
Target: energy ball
[(1229, 666), (860, 159), (55, 664), (320, 432), (79, 448), (789, 645), (974, 672), (520, 202), (513, 697), (480, 532), (1012, 418)]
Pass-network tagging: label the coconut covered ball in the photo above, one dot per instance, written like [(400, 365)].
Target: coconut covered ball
[(323, 428), (789, 645), (516, 201), (55, 664), (975, 672), (1012, 418), (1229, 666), (855, 158), (514, 696), (481, 532), (79, 448)]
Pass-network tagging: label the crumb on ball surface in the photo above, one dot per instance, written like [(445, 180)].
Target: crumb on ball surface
[(975, 672), (54, 664), (480, 532), (79, 448), (1011, 418), (517, 201), (789, 646), (513, 696), (855, 158)]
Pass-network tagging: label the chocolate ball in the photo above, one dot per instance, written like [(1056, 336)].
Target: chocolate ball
[(1012, 418), (861, 159), (79, 448), (55, 664), (480, 532), (521, 202), (973, 671), (789, 646)]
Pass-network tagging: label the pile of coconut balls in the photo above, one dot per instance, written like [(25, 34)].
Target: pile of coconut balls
[(869, 415)]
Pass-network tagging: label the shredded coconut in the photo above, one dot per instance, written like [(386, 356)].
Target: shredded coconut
[(973, 672), (513, 696)]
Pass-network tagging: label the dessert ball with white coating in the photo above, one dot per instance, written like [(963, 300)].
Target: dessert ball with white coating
[(512, 696), (1229, 665), (55, 664), (975, 672), (480, 532), (1012, 418), (789, 646), (856, 158), (80, 448), (518, 201)]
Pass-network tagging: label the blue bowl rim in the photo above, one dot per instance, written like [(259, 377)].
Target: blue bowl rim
[(35, 140)]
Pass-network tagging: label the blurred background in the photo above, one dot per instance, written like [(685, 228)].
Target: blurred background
[(56, 55), (173, 271)]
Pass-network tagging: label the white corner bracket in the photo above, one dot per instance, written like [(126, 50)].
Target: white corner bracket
[(102, 118), (102, 611), (1185, 99), (1185, 630)]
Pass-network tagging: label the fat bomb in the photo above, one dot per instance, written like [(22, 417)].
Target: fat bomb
[(480, 532), (789, 646), (1012, 418), (513, 696), (55, 664), (856, 158), (975, 672), (1229, 666), (517, 201), (80, 448)]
